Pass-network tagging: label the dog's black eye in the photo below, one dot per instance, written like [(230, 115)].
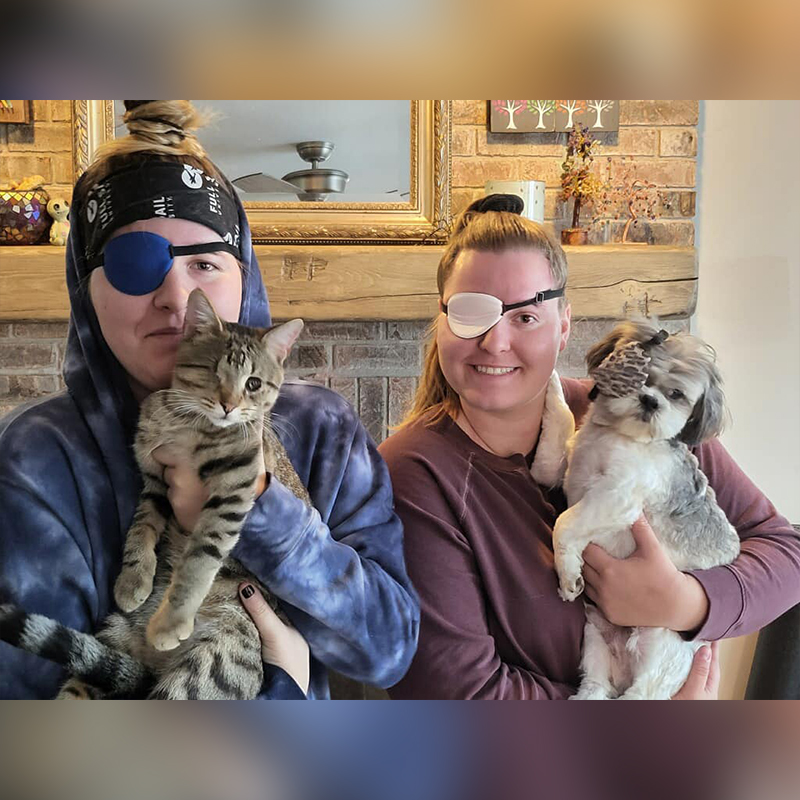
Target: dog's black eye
[(675, 394), (253, 384)]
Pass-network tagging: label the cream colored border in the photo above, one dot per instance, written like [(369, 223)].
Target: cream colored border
[(424, 218)]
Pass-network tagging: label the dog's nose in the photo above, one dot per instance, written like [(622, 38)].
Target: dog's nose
[(648, 401)]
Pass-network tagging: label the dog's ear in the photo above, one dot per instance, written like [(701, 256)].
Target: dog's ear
[(708, 416), (600, 351)]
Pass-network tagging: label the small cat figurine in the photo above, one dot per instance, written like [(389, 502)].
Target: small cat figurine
[(183, 633)]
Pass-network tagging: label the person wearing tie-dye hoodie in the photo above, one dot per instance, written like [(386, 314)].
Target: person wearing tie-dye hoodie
[(69, 483)]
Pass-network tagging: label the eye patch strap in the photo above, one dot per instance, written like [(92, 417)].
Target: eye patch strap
[(209, 247), (183, 250), (539, 297)]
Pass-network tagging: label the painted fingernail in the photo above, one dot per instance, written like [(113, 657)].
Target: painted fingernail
[(247, 591)]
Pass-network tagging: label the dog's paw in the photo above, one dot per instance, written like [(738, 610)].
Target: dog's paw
[(571, 588), (593, 691), (167, 629)]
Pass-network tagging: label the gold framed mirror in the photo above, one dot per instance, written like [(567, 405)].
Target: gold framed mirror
[(423, 217)]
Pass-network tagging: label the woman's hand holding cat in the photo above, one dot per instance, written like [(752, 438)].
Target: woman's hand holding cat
[(281, 644), (646, 588), (187, 493)]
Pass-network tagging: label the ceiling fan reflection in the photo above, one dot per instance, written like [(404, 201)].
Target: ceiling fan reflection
[(310, 185)]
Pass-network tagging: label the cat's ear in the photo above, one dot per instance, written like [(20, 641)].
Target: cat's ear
[(200, 315), (279, 340)]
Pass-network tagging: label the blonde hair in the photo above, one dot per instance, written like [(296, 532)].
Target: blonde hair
[(160, 129), (490, 231)]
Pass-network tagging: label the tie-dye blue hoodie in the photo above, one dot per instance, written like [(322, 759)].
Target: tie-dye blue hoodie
[(69, 486)]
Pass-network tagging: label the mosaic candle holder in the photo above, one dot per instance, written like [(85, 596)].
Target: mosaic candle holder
[(23, 216)]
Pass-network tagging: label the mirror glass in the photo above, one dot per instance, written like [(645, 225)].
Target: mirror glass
[(371, 144)]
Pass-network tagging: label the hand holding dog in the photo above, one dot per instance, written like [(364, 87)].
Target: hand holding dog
[(703, 680), (645, 589)]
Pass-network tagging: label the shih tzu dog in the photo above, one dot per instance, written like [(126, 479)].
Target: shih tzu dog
[(655, 396)]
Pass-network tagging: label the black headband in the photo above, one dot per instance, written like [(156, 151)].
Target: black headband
[(152, 188)]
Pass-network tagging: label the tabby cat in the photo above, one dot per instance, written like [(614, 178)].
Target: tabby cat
[(183, 633)]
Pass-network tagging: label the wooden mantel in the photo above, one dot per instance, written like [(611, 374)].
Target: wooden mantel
[(391, 282)]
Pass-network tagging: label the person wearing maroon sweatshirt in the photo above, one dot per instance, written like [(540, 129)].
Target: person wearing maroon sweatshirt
[(478, 524)]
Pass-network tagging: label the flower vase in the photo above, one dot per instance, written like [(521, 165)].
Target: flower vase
[(575, 236)]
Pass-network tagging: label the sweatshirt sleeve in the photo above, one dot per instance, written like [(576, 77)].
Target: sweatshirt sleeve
[(764, 580), (457, 657), (42, 570), (342, 579)]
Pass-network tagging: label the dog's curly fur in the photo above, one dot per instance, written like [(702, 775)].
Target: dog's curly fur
[(630, 456)]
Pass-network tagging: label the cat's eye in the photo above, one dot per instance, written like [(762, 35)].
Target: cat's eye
[(253, 384), (675, 394)]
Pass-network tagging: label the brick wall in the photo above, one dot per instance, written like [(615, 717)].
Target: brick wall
[(43, 147), (31, 355), (659, 135), (374, 364)]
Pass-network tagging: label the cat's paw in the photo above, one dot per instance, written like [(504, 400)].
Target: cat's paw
[(75, 689), (167, 629), (134, 585), (571, 588)]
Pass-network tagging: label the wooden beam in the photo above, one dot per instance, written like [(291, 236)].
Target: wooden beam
[(390, 282), (33, 283)]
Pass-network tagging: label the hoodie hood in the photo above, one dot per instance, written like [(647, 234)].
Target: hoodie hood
[(97, 382)]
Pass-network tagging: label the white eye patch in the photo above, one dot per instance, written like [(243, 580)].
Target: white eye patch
[(471, 314)]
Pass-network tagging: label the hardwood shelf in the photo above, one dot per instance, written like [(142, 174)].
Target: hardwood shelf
[(328, 282)]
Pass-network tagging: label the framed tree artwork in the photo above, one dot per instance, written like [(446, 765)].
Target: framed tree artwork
[(504, 113), (17, 111), (545, 111), (539, 116)]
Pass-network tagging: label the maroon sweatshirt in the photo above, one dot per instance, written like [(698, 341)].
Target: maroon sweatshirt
[(478, 546)]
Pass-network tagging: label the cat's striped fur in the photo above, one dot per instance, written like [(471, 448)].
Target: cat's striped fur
[(183, 632)]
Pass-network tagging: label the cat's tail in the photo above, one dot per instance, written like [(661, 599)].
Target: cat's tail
[(82, 655)]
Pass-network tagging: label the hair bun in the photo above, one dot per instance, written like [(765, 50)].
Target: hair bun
[(510, 203), (131, 104), (165, 123)]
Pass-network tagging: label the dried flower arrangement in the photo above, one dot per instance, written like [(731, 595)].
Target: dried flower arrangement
[(580, 182)]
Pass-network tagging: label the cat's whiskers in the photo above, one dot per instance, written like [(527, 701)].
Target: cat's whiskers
[(185, 409), (251, 427), (187, 413), (281, 425)]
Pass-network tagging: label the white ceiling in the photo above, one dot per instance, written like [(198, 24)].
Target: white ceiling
[(371, 138)]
